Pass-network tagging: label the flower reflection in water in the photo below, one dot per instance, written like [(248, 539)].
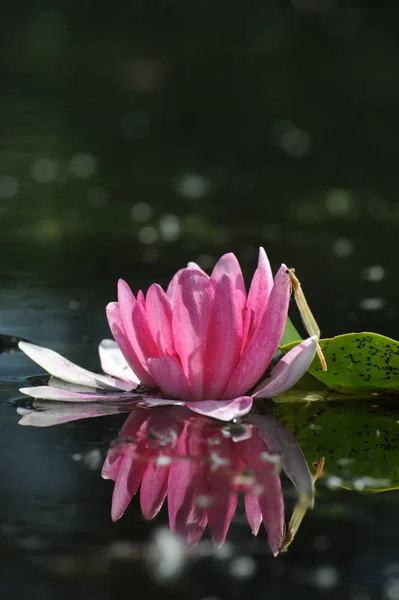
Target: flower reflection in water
[(201, 466)]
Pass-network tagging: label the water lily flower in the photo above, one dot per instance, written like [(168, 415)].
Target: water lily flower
[(204, 343), (201, 468)]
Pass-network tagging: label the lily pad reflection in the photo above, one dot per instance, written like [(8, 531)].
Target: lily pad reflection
[(359, 439)]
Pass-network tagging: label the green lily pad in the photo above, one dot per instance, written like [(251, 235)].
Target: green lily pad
[(359, 440), (290, 333), (308, 388), (358, 363)]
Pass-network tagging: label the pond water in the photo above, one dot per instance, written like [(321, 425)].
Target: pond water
[(132, 143), (56, 529)]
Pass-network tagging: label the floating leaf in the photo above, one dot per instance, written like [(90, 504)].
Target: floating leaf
[(359, 440), (358, 363), (290, 333)]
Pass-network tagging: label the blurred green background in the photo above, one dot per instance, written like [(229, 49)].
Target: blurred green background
[(140, 135)]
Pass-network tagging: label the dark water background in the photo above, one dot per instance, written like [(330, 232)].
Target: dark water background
[(140, 135)]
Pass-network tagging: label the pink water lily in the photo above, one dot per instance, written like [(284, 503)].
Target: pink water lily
[(204, 343), (201, 468)]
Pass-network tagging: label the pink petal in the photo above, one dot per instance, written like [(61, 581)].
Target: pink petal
[(253, 512), (289, 369), (247, 321), (129, 431), (114, 363), (194, 527), (133, 464), (140, 299), (64, 369), (127, 483), (264, 343), (169, 376), (48, 392), (135, 323), (191, 314), (270, 496), (185, 516), (172, 287), (222, 495), (193, 265), (111, 467), (271, 503), (220, 515), (261, 287), (154, 487), (224, 410), (166, 428), (136, 363), (228, 264), (224, 339), (159, 317), (150, 435)]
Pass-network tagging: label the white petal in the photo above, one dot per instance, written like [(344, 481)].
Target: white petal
[(114, 363), (152, 402), (55, 413), (62, 368), (47, 392), (224, 410), (289, 369), (281, 441), (69, 387)]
